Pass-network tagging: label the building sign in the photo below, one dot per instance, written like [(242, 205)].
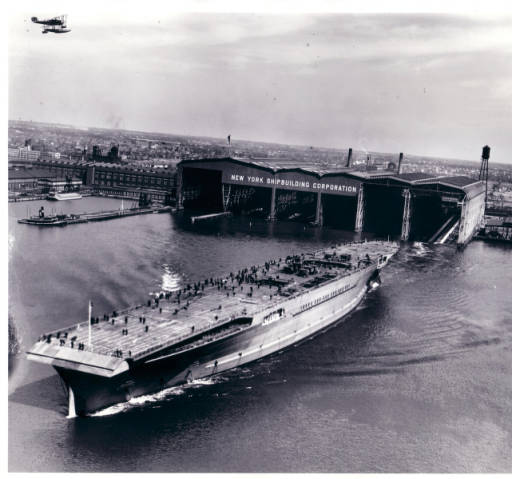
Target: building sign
[(339, 185), (247, 175)]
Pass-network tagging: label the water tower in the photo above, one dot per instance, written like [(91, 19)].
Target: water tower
[(484, 168)]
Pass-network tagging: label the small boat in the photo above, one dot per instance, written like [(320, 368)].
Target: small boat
[(55, 220), (51, 220), (63, 195)]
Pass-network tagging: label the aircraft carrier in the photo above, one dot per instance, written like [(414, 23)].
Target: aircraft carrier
[(210, 326)]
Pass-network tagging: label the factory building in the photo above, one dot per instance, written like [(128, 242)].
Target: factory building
[(118, 180), (59, 184), (22, 156), (414, 206), (28, 180)]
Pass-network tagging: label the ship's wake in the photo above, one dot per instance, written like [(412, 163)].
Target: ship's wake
[(421, 329), (158, 397), (394, 350)]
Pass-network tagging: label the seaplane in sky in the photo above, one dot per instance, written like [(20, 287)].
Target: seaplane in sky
[(53, 25)]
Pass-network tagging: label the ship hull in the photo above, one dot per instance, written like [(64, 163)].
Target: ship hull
[(330, 304)]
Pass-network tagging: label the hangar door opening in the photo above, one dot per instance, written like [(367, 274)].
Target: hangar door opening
[(295, 205), (247, 200), (202, 189), (339, 211), (431, 216), (383, 209)]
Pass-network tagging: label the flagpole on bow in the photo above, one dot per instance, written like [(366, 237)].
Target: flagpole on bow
[(89, 321), (229, 145)]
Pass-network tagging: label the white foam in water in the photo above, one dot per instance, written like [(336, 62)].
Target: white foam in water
[(202, 382), (420, 248), (170, 280), (138, 401), (152, 398), (116, 408)]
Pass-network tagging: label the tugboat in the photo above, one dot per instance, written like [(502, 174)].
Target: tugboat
[(42, 220)]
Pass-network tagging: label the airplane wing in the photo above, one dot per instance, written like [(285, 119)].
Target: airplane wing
[(60, 20)]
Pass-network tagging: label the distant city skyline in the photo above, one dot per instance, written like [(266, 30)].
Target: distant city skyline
[(431, 85)]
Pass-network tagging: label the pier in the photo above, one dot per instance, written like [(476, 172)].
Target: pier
[(496, 229), (63, 220)]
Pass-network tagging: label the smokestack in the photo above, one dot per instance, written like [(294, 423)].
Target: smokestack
[(400, 162), (349, 158)]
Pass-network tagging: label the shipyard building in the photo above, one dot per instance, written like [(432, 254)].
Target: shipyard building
[(415, 206)]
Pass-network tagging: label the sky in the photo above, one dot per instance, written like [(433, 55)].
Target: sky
[(425, 84)]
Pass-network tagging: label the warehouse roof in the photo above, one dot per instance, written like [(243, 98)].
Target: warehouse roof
[(30, 173)]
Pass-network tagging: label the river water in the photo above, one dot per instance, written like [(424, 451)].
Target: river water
[(417, 379)]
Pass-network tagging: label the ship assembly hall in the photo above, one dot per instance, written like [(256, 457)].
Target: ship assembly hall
[(413, 206)]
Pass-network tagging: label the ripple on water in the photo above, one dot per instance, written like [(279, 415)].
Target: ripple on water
[(439, 315), (438, 307)]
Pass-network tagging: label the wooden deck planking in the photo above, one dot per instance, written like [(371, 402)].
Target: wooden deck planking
[(200, 313)]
